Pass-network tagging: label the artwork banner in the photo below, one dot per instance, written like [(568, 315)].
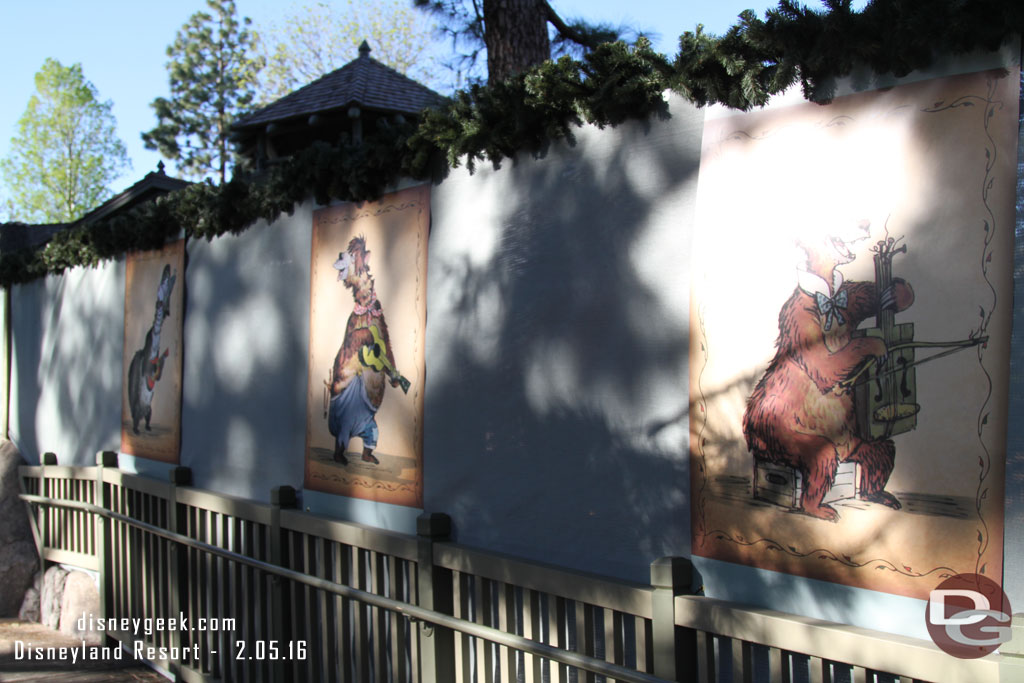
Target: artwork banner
[(153, 333), (364, 418), (851, 311)]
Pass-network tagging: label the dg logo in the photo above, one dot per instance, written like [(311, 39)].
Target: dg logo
[(968, 616)]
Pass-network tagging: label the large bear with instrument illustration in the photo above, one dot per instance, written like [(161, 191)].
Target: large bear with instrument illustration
[(801, 413), (364, 363)]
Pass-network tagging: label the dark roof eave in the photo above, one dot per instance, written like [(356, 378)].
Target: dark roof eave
[(155, 181), (15, 236), (251, 128)]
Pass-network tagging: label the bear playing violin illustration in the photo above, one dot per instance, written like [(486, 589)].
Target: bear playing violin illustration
[(364, 362), (802, 413), (836, 393)]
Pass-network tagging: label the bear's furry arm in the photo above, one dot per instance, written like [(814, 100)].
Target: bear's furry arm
[(346, 363), (863, 302), (802, 339), (904, 293)]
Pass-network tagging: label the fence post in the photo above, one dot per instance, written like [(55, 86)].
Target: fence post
[(49, 459), (674, 647), (178, 590), (280, 629), (102, 537), (434, 588)]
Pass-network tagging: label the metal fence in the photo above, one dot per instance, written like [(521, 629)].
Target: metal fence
[(210, 587)]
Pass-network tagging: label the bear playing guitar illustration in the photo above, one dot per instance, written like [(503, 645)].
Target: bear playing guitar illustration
[(363, 363), (147, 364)]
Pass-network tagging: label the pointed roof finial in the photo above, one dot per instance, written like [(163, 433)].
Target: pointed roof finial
[(364, 49), (160, 167)]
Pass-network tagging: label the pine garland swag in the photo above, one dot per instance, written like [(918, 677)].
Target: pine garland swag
[(742, 69)]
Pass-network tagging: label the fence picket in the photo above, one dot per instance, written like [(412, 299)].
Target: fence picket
[(147, 540), (818, 670), (462, 643)]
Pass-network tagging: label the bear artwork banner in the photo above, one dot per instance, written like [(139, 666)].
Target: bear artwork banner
[(364, 422), (151, 379), (851, 328)]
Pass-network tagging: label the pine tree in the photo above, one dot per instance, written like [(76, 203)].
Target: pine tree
[(212, 72), (514, 33), (516, 36), (66, 152)]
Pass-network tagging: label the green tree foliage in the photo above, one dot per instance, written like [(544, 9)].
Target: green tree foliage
[(66, 152), (317, 38), (757, 58), (213, 71), (612, 83)]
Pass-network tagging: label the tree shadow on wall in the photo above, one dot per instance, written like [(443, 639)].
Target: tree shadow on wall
[(557, 355), (244, 385), (557, 418), (66, 363)]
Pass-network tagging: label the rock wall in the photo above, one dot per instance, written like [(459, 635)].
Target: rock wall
[(18, 559)]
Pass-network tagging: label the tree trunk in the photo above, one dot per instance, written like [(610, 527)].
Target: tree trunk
[(516, 35)]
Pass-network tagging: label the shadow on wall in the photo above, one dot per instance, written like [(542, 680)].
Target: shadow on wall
[(244, 382), (557, 414), (557, 342), (68, 333)]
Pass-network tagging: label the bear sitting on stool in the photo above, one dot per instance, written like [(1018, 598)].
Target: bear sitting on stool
[(798, 415)]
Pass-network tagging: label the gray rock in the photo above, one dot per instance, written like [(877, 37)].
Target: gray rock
[(51, 597), (80, 605), (30, 605), (18, 559), (18, 563)]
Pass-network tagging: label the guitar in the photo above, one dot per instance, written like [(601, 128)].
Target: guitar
[(375, 356)]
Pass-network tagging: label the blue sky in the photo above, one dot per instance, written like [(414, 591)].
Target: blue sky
[(121, 45)]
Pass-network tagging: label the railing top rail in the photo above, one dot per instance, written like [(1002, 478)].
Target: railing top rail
[(224, 504), (853, 645), (412, 612), (134, 482), (351, 533), (57, 471), (592, 589)]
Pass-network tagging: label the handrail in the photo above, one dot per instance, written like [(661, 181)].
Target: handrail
[(594, 590), (851, 645), (411, 612)]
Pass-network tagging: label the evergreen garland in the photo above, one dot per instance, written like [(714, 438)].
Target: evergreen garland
[(754, 60)]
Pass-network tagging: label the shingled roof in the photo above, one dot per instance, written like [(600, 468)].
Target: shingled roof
[(363, 82), (15, 236)]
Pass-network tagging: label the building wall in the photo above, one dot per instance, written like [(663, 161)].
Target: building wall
[(246, 331), (557, 414), (557, 335), (66, 344), (1014, 536)]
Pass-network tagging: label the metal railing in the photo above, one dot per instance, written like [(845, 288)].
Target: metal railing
[(411, 612), (314, 599)]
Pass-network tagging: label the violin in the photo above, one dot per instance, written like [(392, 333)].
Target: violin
[(885, 390), (886, 401)]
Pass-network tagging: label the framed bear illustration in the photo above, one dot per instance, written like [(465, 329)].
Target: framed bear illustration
[(364, 418), (151, 376), (850, 334)]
